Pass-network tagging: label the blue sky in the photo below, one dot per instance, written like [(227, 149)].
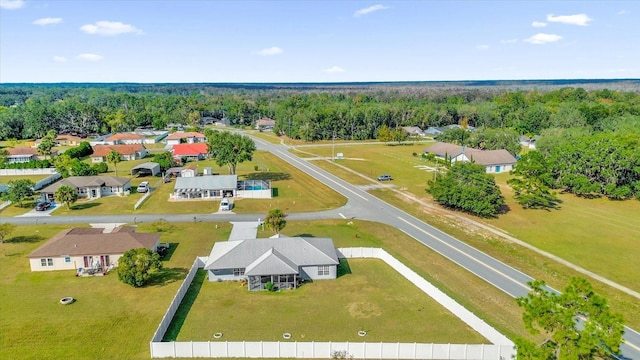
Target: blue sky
[(316, 41)]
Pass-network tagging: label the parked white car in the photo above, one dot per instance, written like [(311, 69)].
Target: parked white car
[(226, 204), (143, 187)]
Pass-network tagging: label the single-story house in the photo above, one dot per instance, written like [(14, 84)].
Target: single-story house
[(435, 131), (21, 154), (413, 131), (93, 187), (68, 140), (494, 161), (528, 142), (146, 169), (125, 138), (127, 152), (204, 187), (265, 124), (181, 137), (152, 136), (190, 152), (89, 248), (284, 261)]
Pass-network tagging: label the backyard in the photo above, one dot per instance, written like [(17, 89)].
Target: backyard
[(380, 301)]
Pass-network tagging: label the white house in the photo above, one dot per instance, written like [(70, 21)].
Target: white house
[(283, 261), (93, 187), (494, 161), (127, 152), (125, 138), (182, 137), (87, 248)]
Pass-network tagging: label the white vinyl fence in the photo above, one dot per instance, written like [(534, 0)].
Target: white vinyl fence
[(19, 172), (501, 349), (46, 181)]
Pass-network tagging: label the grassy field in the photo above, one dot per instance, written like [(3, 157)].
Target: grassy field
[(112, 318), (380, 301), (293, 191), (577, 232)]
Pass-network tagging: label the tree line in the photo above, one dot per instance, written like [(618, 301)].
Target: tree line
[(344, 112)]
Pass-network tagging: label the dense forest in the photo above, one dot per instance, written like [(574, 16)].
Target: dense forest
[(316, 111), (588, 135)]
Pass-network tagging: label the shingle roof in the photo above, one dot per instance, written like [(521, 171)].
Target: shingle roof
[(265, 122), (272, 262), (125, 136), (185, 134), (85, 181), (262, 254), (103, 150), (92, 241), (482, 157), (190, 149), (22, 151), (207, 182)]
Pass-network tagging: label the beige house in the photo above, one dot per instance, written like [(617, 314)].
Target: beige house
[(92, 187), (21, 154), (494, 161), (125, 138), (127, 152), (182, 137), (89, 248)]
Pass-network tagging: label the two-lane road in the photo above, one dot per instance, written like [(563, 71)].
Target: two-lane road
[(362, 205)]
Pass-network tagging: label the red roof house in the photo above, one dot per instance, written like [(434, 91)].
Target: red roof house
[(196, 151)]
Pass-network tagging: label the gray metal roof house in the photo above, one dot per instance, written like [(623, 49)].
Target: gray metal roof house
[(205, 187), (284, 261), (92, 187)]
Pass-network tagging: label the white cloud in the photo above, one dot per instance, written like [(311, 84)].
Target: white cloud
[(110, 28), (543, 38), (47, 21), (482, 47), (622, 12), (578, 19), (369, 10), (11, 4), (270, 51), (334, 70), (59, 59), (539, 24), (509, 41), (89, 57)]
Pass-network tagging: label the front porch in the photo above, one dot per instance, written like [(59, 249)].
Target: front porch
[(259, 282)]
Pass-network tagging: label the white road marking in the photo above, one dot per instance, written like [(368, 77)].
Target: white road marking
[(465, 254)]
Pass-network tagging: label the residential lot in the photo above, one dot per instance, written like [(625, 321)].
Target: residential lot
[(372, 297), (114, 318)]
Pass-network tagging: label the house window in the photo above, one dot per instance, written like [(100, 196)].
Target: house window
[(67, 259), (46, 262), (323, 270), (238, 272)]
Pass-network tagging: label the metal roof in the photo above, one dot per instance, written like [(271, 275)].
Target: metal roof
[(300, 251), (207, 182)]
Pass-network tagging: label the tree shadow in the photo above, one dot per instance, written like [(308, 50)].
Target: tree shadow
[(24, 239), (303, 235), (274, 192), (167, 276), (273, 176), (185, 306), (172, 249), (343, 268), (84, 206)]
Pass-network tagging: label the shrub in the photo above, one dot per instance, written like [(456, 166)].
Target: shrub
[(270, 286)]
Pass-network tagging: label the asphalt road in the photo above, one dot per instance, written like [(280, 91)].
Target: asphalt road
[(360, 205)]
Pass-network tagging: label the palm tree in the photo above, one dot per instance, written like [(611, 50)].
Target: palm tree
[(114, 157), (275, 220), (67, 195)]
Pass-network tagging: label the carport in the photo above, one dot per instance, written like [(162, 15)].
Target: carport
[(146, 169)]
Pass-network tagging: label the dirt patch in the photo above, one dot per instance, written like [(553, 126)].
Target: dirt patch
[(363, 310)]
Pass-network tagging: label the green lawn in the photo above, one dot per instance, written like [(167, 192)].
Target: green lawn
[(379, 300), (109, 319), (597, 234), (293, 191)]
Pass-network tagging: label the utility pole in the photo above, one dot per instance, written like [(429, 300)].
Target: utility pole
[(333, 146)]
